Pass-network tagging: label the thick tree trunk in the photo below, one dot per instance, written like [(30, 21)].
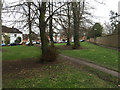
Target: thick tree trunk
[(50, 25), (68, 33), (29, 22), (42, 26), (76, 26)]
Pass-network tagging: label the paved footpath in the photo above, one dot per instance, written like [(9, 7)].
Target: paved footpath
[(103, 69)]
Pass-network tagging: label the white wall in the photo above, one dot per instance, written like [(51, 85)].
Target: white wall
[(13, 37)]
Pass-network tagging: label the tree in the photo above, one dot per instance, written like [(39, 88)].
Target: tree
[(51, 24), (42, 27), (78, 11), (113, 20), (108, 28), (68, 31), (76, 25), (96, 30), (29, 22), (7, 39), (18, 40), (0, 47), (42, 24), (0, 28)]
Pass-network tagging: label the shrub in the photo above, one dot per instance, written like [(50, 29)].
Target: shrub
[(51, 55), (7, 39), (18, 40)]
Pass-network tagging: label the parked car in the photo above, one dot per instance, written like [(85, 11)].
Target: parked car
[(28, 43), (33, 42), (82, 40), (37, 42), (55, 42), (12, 44), (72, 41), (65, 41), (62, 41), (20, 43), (3, 44)]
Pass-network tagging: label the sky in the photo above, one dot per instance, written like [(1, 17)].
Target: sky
[(101, 11)]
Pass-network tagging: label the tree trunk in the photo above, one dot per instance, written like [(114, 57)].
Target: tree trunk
[(0, 46), (68, 33), (42, 26), (29, 22), (76, 26), (50, 25)]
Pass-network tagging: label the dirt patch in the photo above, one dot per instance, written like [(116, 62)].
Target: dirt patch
[(24, 68), (13, 66)]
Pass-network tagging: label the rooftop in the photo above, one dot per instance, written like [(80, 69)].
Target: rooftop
[(10, 30)]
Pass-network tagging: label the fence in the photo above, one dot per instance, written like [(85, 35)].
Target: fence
[(109, 40)]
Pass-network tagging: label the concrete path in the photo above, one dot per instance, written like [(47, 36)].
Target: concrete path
[(103, 69)]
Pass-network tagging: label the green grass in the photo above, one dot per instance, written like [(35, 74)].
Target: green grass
[(58, 44), (20, 52), (99, 55), (61, 75)]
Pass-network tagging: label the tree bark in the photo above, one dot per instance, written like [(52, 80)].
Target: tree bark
[(0, 46), (50, 25), (42, 26), (76, 25), (68, 33), (29, 22)]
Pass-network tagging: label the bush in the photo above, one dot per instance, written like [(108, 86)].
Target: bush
[(51, 55), (7, 39), (18, 40)]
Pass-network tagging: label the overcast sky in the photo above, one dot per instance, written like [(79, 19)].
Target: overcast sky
[(103, 11)]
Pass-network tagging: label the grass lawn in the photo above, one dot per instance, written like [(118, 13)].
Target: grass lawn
[(19, 71), (62, 74), (20, 52), (99, 55)]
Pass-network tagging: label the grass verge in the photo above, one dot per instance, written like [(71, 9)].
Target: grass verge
[(20, 52), (96, 54)]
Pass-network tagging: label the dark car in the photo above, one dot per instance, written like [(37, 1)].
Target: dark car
[(13, 44), (54, 41)]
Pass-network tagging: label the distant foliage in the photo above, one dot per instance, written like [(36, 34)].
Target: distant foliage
[(113, 19), (95, 31), (18, 40), (7, 39)]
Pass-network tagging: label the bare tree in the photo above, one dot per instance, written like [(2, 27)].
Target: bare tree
[(51, 24), (29, 22), (77, 16), (68, 31)]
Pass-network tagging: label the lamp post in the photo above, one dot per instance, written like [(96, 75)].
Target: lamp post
[(95, 35)]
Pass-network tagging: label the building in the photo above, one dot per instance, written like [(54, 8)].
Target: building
[(12, 33), (35, 37)]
